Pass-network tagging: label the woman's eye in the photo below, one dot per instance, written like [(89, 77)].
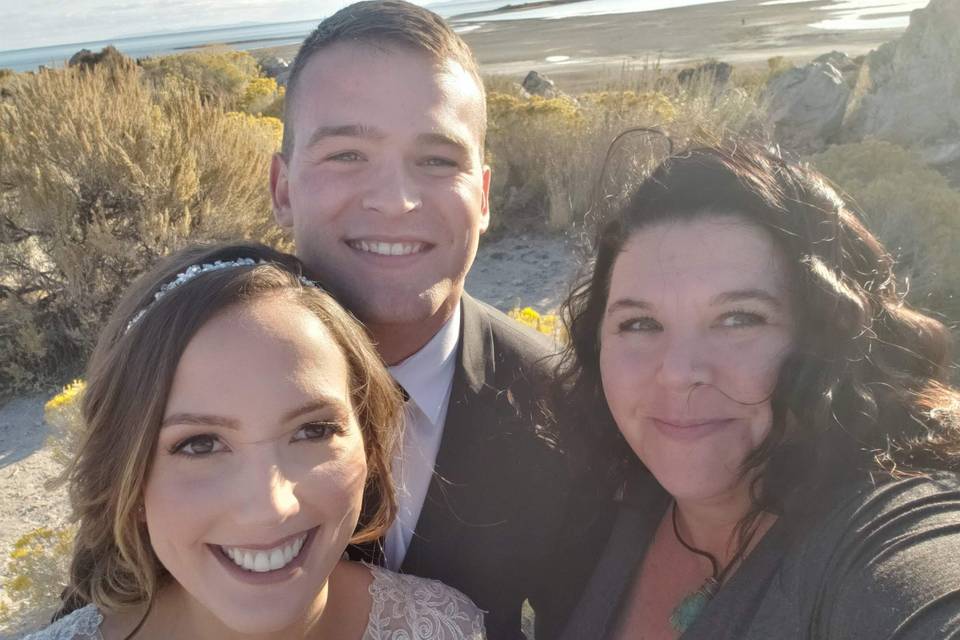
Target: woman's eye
[(200, 445), (639, 325), (317, 431), (736, 319)]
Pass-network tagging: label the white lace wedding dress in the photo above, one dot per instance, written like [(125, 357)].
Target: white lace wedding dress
[(404, 608)]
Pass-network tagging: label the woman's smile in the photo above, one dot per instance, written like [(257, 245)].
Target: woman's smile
[(266, 564)]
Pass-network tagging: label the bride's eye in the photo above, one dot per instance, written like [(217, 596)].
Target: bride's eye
[(199, 445), (317, 431)]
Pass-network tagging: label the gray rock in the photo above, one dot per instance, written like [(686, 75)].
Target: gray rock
[(537, 84), (276, 68), (847, 66), (908, 90), (807, 106)]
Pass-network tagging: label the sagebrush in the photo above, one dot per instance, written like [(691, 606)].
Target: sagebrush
[(100, 174), (913, 210)]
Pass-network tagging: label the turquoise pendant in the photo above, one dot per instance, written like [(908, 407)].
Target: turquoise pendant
[(690, 608)]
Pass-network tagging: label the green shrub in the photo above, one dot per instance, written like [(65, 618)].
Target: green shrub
[(99, 176), (912, 209)]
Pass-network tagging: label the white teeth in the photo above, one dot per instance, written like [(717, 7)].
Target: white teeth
[(388, 248), (264, 560), (276, 559)]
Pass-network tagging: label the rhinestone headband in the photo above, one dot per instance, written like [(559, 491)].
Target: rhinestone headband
[(195, 270)]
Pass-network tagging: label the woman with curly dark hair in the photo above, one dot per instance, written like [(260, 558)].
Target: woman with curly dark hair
[(779, 421)]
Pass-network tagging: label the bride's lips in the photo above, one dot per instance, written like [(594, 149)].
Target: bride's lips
[(689, 429), (266, 577)]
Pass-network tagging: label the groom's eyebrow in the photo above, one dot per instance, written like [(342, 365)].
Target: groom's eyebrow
[(343, 131)]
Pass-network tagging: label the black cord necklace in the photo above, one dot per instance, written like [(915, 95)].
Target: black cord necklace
[(693, 604)]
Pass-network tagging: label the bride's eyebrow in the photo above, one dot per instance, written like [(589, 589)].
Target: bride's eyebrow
[(208, 420), (200, 420), (319, 403)]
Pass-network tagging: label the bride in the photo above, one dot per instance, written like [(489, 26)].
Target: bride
[(235, 418)]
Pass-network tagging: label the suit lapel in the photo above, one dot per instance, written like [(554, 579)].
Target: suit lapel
[(439, 521)]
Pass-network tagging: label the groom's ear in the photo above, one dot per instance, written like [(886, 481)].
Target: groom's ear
[(280, 192)]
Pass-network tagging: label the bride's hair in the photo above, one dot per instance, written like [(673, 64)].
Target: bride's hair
[(128, 381)]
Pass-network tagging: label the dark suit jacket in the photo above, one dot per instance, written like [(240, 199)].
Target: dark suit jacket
[(492, 521)]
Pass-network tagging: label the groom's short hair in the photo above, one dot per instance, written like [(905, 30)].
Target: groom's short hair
[(382, 23)]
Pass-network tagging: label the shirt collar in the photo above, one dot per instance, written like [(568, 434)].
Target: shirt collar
[(427, 374)]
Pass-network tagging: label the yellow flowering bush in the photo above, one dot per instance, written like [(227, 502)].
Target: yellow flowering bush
[(272, 127), (35, 574), (62, 415), (648, 103), (261, 96), (547, 324), (219, 75)]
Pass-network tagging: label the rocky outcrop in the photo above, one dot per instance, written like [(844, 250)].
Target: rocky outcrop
[(847, 66), (807, 106), (908, 90), (536, 84), (275, 67)]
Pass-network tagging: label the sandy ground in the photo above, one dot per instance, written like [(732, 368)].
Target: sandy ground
[(587, 52), (512, 270)]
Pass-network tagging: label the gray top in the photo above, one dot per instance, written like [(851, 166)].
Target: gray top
[(880, 562)]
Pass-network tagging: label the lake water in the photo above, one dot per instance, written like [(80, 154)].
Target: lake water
[(842, 14)]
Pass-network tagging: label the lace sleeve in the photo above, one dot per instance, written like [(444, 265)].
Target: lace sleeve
[(411, 608), (82, 624)]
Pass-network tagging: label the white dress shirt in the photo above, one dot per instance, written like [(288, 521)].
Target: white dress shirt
[(427, 376)]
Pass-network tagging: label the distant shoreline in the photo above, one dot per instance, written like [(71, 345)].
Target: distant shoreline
[(510, 8), (585, 52)]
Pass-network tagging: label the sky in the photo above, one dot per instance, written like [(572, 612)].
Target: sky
[(37, 23)]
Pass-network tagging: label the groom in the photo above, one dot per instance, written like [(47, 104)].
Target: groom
[(381, 179)]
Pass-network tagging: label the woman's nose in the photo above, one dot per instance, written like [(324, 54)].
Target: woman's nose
[(266, 496), (684, 365)]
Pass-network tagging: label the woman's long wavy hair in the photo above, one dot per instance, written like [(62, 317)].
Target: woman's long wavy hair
[(129, 379), (866, 386)]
